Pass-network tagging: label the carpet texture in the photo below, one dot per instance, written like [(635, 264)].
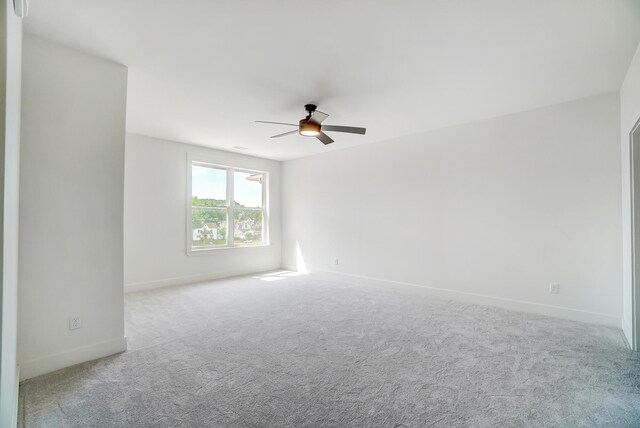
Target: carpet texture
[(323, 350)]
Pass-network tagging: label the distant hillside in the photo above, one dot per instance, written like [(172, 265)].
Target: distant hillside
[(200, 216), (196, 202)]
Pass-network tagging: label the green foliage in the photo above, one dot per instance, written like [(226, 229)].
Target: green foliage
[(200, 216), (242, 215), (213, 212), (207, 202), (209, 242)]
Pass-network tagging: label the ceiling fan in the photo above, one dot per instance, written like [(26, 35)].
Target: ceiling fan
[(311, 126)]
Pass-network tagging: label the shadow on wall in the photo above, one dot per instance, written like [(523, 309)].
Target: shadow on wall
[(299, 267), (300, 264)]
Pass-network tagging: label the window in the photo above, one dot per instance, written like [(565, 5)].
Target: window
[(226, 207)]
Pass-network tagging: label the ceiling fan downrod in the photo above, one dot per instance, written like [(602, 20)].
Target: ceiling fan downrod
[(310, 108)]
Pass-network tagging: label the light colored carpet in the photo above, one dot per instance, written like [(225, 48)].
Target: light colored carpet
[(326, 350)]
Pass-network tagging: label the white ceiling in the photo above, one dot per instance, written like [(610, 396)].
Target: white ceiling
[(202, 71)]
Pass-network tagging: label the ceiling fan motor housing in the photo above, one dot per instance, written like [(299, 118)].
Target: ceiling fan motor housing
[(309, 128)]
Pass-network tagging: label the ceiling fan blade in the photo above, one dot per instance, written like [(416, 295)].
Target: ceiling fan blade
[(285, 133), (318, 116), (348, 129), (276, 123), (324, 138)]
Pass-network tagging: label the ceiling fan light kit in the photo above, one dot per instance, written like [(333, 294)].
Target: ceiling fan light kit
[(311, 126)]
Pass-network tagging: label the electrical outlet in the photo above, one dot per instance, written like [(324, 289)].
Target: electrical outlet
[(336, 262), (554, 288), (74, 323)]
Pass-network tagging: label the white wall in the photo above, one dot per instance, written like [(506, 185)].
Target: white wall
[(10, 67), (155, 217), (71, 207), (629, 114), (492, 211)]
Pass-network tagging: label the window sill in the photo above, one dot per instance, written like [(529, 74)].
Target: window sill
[(207, 251)]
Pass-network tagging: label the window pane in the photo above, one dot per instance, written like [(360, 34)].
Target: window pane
[(210, 208), (208, 227), (208, 186), (247, 191), (247, 226)]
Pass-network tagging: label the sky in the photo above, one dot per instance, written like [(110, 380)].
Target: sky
[(210, 183)]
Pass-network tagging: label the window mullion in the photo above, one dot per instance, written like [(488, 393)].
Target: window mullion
[(230, 221), (265, 211)]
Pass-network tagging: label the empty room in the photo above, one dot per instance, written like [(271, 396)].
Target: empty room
[(320, 214)]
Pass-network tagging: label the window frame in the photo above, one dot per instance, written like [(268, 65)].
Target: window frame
[(230, 170)]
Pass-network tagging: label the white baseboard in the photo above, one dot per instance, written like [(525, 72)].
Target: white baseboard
[(182, 280), (50, 363), (501, 302), (168, 282), (628, 333), (17, 396)]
